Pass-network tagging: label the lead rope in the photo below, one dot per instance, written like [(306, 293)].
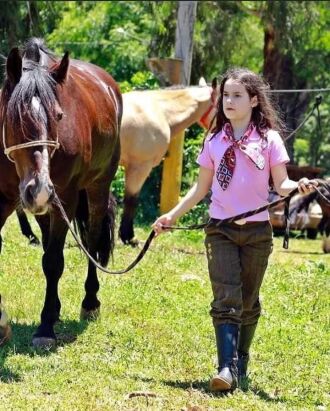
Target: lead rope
[(151, 236), (58, 203)]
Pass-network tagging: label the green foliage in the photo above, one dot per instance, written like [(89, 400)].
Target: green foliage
[(114, 35), (225, 36), (190, 169), (312, 147), (302, 151)]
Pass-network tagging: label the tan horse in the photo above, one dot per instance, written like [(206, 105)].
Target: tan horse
[(150, 119)]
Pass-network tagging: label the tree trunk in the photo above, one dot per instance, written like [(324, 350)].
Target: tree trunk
[(279, 72), (184, 36)]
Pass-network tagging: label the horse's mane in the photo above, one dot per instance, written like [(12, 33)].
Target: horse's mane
[(40, 43), (35, 81)]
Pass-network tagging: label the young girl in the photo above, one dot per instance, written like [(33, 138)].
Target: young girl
[(236, 163)]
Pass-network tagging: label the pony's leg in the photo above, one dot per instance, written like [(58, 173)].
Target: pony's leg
[(100, 243), (135, 176), (26, 228), (53, 265)]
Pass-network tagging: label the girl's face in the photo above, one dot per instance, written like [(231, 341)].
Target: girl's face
[(237, 104)]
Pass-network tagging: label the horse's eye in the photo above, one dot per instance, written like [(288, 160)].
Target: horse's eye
[(59, 115)]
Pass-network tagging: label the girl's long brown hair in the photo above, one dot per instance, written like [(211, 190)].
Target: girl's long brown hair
[(264, 115)]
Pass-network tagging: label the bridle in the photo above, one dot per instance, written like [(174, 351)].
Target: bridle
[(8, 150), (213, 105)]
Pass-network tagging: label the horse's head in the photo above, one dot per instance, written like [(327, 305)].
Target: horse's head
[(209, 115), (30, 113)]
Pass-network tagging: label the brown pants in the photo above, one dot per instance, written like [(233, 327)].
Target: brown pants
[(237, 260)]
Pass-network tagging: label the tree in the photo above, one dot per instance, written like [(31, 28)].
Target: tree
[(18, 20), (184, 36), (289, 34)]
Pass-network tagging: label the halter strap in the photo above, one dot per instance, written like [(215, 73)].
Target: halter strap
[(213, 105), (8, 150)]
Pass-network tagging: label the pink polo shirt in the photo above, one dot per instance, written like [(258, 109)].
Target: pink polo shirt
[(248, 188)]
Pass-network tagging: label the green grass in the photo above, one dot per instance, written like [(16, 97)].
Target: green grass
[(155, 334)]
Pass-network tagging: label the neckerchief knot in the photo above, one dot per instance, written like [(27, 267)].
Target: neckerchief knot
[(227, 164)]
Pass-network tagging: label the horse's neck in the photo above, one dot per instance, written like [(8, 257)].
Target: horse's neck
[(183, 107)]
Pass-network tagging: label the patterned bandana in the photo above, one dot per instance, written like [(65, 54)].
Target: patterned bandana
[(227, 164)]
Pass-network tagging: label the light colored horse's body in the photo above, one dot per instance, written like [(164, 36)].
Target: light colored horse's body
[(150, 119)]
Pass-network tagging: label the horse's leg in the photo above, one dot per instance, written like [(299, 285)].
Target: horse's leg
[(6, 208), (53, 265), (326, 231), (100, 241), (135, 176), (26, 228), (44, 224)]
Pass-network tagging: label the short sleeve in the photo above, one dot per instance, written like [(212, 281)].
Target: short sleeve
[(278, 152), (204, 158)]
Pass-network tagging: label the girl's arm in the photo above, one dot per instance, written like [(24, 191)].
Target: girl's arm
[(283, 185), (194, 196)]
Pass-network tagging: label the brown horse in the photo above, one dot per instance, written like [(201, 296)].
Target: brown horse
[(150, 119), (61, 124)]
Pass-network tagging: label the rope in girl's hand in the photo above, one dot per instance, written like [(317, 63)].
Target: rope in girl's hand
[(316, 184)]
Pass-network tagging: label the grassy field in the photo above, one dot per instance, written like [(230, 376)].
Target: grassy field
[(155, 335)]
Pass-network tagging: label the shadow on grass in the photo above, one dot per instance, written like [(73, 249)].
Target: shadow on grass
[(203, 386), (245, 386), (186, 385), (302, 252), (21, 343)]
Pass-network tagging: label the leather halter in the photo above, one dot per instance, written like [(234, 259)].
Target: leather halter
[(213, 105), (8, 150)]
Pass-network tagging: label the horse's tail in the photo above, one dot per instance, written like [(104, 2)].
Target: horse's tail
[(106, 243), (107, 238), (81, 218)]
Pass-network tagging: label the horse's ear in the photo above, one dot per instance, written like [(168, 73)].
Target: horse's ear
[(14, 65), (202, 82), (214, 83), (60, 71)]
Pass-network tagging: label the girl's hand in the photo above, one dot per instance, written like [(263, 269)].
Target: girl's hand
[(164, 220), (306, 186)]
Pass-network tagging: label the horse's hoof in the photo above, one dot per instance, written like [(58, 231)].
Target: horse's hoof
[(5, 334), (326, 245), (46, 343), (89, 315), (134, 242), (33, 240)]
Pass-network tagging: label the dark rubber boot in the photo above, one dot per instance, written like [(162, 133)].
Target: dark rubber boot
[(226, 339), (244, 342)]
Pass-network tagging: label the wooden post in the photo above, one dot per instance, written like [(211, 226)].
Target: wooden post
[(172, 174), (176, 71), (184, 37)]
